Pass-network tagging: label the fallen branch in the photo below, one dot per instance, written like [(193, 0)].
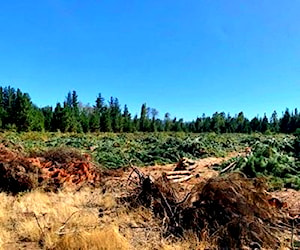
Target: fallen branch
[(172, 177), (182, 179), (229, 167), (191, 167), (183, 172)]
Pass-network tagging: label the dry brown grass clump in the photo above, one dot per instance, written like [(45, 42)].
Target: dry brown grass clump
[(107, 238), (71, 220), (50, 220)]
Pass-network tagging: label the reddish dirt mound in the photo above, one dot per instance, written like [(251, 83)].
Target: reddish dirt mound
[(51, 170)]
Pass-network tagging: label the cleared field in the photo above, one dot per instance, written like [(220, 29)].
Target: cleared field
[(100, 213)]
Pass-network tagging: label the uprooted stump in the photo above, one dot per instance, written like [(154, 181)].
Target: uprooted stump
[(50, 170), (230, 211)]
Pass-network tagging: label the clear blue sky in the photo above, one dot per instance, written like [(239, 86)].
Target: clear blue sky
[(186, 57)]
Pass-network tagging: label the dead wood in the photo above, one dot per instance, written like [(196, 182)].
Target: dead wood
[(183, 172), (228, 168), (182, 179), (50, 170), (230, 211)]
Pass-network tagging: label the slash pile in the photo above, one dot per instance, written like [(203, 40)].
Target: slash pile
[(49, 170), (230, 212)]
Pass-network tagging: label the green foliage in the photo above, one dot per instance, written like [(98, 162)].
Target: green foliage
[(119, 150), (274, 158), (18, 112)]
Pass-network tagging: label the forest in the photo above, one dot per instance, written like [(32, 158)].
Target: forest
[(19, 113)]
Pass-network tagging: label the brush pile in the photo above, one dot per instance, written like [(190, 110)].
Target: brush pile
[(51, 170), (230, 211)]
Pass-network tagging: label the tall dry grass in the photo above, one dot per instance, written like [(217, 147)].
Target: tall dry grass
[(70, 220)]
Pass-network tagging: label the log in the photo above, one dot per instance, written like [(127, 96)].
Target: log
[(229, 167), (182, 179), (191, 167), (172, 177), (183, 172)]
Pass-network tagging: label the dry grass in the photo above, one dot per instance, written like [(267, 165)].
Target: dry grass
[(49, 219), (107, 238), (70, 220)]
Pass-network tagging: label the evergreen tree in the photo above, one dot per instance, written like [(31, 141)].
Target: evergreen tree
[(22, 111), (37, 122), (105, 121), (94, 121), (135, 124), (84, 118), (154, 122), (240, 121), (67, 122), (2, 108), (206, 124), (218, 122), (274, 122), (115, 114), (255, 125), (9, 98), (18, 112), (48, 118), (264, 124), (285, 122), (97, 118), (57, 121), (144, 121), (167, 122), (126, 117)]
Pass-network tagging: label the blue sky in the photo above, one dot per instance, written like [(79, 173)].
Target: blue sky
[(182, 57)]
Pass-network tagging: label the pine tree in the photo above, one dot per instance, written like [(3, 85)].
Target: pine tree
[(105, 121), (154, 122), (255, 125), (274, 122), (264, 124), (56, 123), (9, 97), (240, 121), (97, 118), (167, 122), (37, 122), (2, 109), (48, 117), (115, 115), (67, 122), (144, 120), (285, 122), (84, 119), (126, 117), (206, 124), (22, 111)]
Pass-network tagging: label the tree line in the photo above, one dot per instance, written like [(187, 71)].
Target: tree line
[(18, 113)]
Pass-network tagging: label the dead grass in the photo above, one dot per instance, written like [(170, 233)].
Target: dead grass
[(46, 218), (107, 238), (70, 220)]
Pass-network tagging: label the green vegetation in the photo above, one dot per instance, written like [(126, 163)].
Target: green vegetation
[(116, 139), (113, 150), (18, 113), (274, 158)]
